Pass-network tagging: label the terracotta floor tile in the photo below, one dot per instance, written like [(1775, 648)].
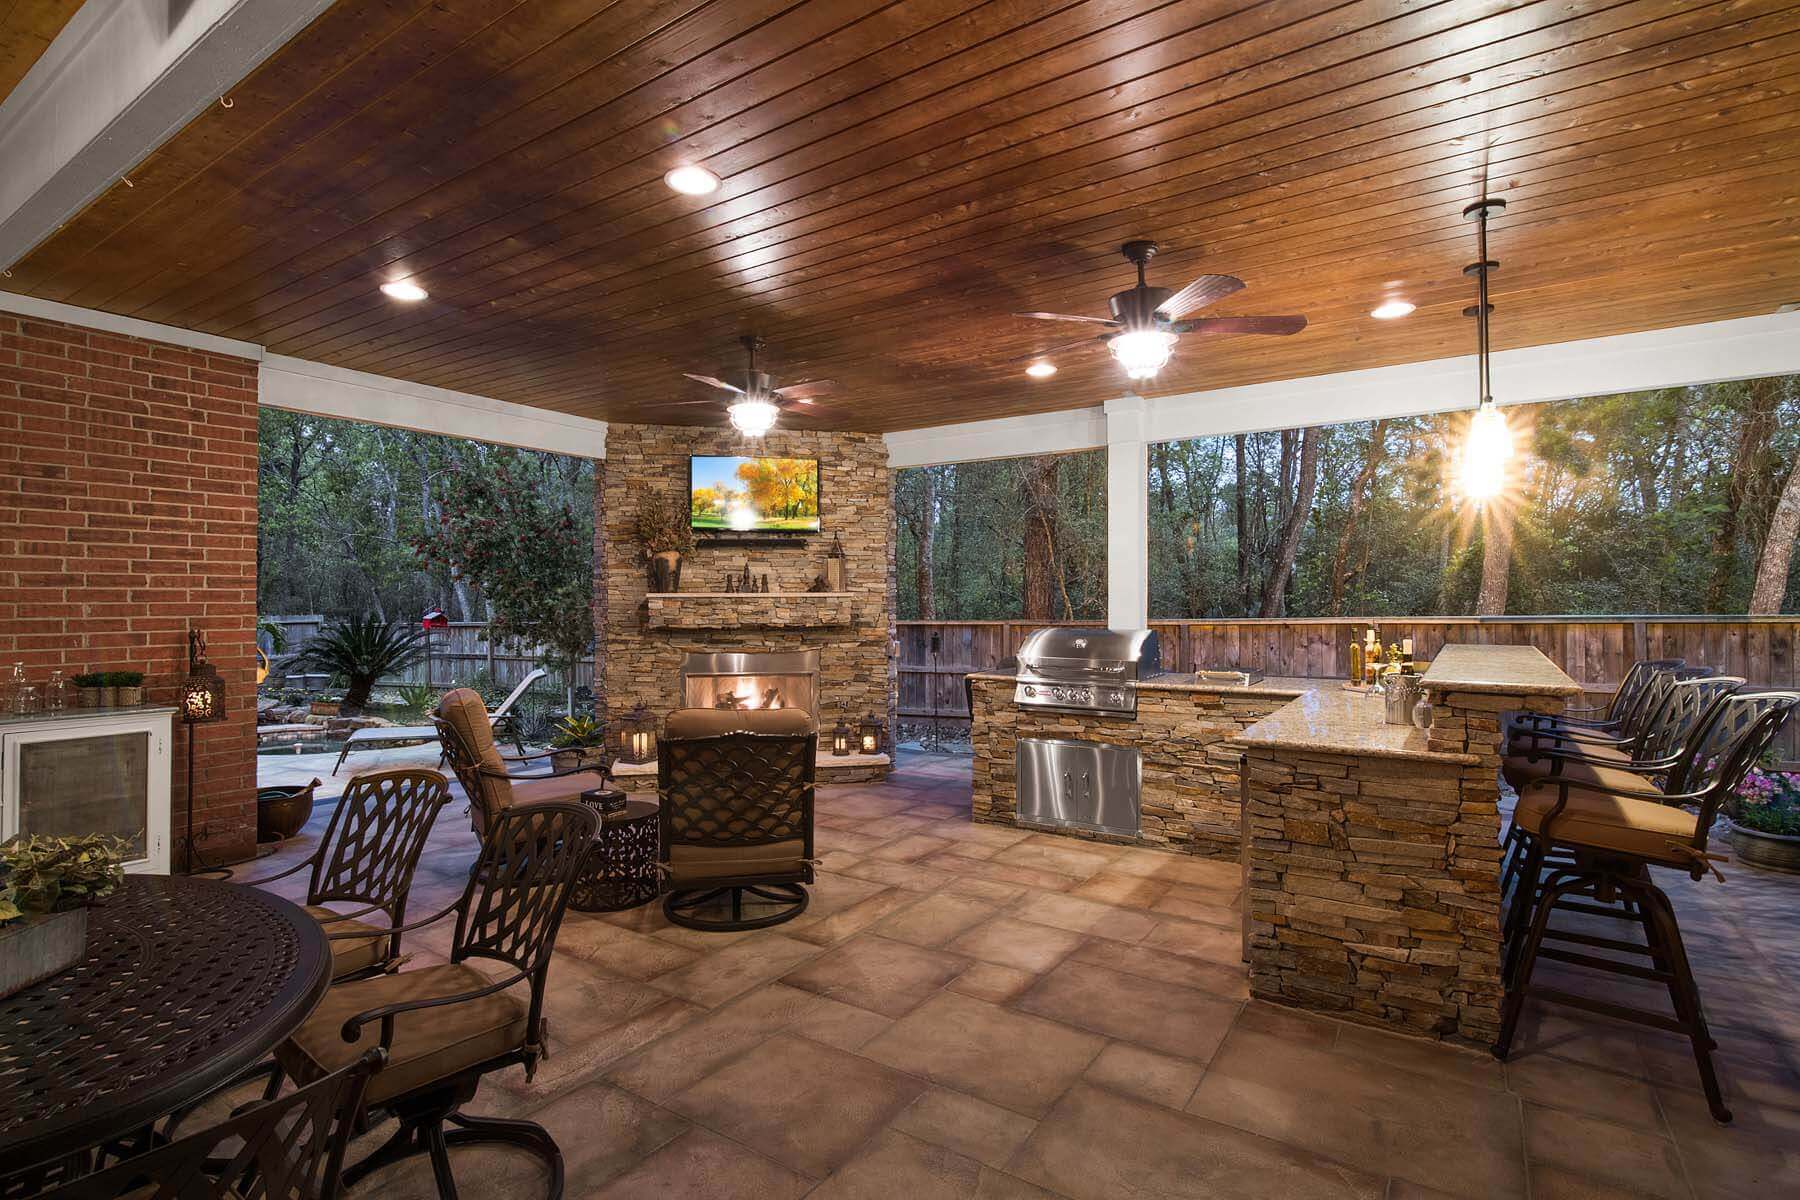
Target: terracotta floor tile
[(910, 876), (712, 980), (1756, 1157), (1098, 1145), (661, 1069), (1560, 1084), (700, 1165), (992, 982), (879, 974), (1196, 940), (804, 1105), (1162, 1016), (1116, 887), (1145, 1074), (1016, 1061), (831, 929), (972, 1127), (1646, 1164), (896, 1165), (1070, 912), (934, 920), (1018, 944), (837, 1024), (1216, 978)]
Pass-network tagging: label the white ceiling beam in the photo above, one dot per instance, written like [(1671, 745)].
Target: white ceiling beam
[(121, 77), (1748, 348)]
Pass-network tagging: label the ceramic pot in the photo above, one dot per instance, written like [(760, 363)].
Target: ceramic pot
[(90, 697), (281, 812), (1776, 851), (109, 697), (665, 571)]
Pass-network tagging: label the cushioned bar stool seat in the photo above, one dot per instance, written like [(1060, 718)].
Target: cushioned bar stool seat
[(1610, 823)]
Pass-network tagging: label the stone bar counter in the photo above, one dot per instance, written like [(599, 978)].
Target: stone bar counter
[(1372, 851), (1184, 729)]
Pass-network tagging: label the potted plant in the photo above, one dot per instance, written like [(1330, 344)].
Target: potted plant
[(579, 743), (46, 884), (660, 528), (129, 685), (1764, 819), (87, 686), (362, 650)]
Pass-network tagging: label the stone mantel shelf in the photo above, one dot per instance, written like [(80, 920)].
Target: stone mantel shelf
[(749, 610)]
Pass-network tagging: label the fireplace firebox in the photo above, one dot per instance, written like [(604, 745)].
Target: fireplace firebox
[(741, 680)]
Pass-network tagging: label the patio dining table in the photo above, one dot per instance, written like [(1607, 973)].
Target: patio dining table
[(186, 983)]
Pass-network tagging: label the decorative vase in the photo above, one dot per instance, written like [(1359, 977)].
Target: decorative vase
[(36, 947), (1775, 851), (130, 696), (665, 571), (281, 812)]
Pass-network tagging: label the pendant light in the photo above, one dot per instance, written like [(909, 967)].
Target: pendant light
[(1489, 445)]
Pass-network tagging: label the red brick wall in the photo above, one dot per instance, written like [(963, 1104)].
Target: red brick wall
[(127, 514)]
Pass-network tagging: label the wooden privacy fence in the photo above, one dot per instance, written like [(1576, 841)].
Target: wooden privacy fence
[(458, 653), (1594, 650)]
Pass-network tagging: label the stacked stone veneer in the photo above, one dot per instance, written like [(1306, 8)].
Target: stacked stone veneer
[(1190, 797), (1374, 889), (854, 634)]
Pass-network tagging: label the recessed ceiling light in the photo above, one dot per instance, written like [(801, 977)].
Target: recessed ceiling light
[(403, 289), (1041, 370), (1391, 310), (692, 181)]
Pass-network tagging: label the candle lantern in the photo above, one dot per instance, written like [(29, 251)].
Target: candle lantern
[(868, 736), (202, 699), (634, 736), (842, 738)]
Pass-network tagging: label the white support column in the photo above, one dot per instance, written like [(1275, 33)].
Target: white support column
[(1127, 514)]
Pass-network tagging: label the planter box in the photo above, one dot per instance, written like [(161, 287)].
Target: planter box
[(37, 947), (1777, 852), (325, 708)]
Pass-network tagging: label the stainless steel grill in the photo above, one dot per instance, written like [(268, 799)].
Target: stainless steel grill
[(1086, 670)]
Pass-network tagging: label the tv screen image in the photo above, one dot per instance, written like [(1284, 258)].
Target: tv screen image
[(751, 495)]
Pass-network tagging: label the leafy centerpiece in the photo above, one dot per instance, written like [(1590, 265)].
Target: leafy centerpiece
[(662, 532), (46, 885)]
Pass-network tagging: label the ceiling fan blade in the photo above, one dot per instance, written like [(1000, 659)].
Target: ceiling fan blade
[(1208, 289), (807, 390), (680, 403), (1221, 325), (1077, 344), (1044, 316), (711, 382)]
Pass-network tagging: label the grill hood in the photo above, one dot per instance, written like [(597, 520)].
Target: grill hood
[(1119, 654)]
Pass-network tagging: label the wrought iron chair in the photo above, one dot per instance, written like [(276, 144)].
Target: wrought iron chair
[(291, 1148), (1610, 717), (492, 788), (737, 816), (1657, 748), (1615, 833), (367, 857), (445, 1027)]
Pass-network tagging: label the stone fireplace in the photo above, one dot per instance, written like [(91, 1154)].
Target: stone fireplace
[(833, 653), (735, 679)]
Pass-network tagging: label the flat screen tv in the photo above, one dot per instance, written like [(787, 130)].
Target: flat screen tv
[(730, 494)]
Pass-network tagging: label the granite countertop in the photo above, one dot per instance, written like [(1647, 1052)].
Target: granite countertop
[(1513, 670), (1334, 721), (1177, 681)]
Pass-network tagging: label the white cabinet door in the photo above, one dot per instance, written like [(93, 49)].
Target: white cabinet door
[(105, 774)]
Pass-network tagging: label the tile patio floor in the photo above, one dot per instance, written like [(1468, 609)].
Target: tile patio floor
[(970, 1011)]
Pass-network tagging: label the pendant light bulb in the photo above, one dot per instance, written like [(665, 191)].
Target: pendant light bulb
[(1486, 451), (753, 418)]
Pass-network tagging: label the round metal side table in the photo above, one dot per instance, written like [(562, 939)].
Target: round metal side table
[(621, 869)]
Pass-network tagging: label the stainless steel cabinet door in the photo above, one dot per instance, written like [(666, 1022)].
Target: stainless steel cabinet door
[(1083, 785)]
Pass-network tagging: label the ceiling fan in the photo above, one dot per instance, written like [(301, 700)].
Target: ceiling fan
[(1150, 320), (757, 403)]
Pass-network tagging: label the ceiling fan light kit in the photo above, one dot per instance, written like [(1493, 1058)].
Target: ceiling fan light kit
[(1149, 320), (752, 418), (757, 403)]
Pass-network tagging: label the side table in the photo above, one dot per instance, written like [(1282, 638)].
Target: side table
[(621, 869)]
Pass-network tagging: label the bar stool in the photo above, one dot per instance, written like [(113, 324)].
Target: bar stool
[(1614, 832), (1624, 702)]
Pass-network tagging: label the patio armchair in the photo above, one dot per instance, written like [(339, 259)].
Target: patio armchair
[(444, 1028), (291, 1148), (380, 737), (1614, 831), (1608, 717), (1633, 726), (1656, 748), (736, 792), (494, 781), (367, 857)]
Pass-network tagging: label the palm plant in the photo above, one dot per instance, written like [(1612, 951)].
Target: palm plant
[(362, 650)]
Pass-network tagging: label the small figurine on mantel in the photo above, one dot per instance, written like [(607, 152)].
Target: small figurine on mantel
[(747, 582), (818, 584), (731, 583), (765, 584), (834, 565)]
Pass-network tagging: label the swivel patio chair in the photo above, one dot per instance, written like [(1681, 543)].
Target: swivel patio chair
[(492, 787), (367, 857), (446, 1027), (291, 1148), (1609, 717), (737, 816), (1657, 748), (1615, 831)]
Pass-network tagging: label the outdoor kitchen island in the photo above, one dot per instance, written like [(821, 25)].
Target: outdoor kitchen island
[(1373, 850)]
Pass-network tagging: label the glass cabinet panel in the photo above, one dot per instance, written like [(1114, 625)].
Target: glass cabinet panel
[(82, 785)]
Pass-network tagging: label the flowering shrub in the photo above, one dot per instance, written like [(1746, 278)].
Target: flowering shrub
[(1768, 801)]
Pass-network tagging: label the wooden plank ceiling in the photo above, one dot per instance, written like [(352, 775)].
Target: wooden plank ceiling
[(27, 27), (900, 177)]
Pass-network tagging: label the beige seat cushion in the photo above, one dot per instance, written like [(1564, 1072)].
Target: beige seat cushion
[(1642, 828), (557, 787), (1520, 769), (463, 710), (429, 1044), (349, 955), (699, 864)]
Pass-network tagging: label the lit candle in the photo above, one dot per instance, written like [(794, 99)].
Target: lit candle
[(868, 743), (1406, 647)]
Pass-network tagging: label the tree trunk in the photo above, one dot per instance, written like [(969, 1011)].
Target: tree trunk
[(1778, 549), (1496, 560), (1359, 490), (1243, 529), (925, 539), (1040, 537), (1305, 473), (1748, 467)]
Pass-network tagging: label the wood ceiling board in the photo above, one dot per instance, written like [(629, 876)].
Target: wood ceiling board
[(900, 177), (27, 27)]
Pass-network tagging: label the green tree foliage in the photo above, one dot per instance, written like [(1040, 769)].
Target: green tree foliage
[(362, 650)]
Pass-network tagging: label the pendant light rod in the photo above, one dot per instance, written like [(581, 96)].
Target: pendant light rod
[(1478, 212)]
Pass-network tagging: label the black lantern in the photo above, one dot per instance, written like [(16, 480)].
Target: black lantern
[(868, 736), (202, 698), (843, 737), (633, 736)]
